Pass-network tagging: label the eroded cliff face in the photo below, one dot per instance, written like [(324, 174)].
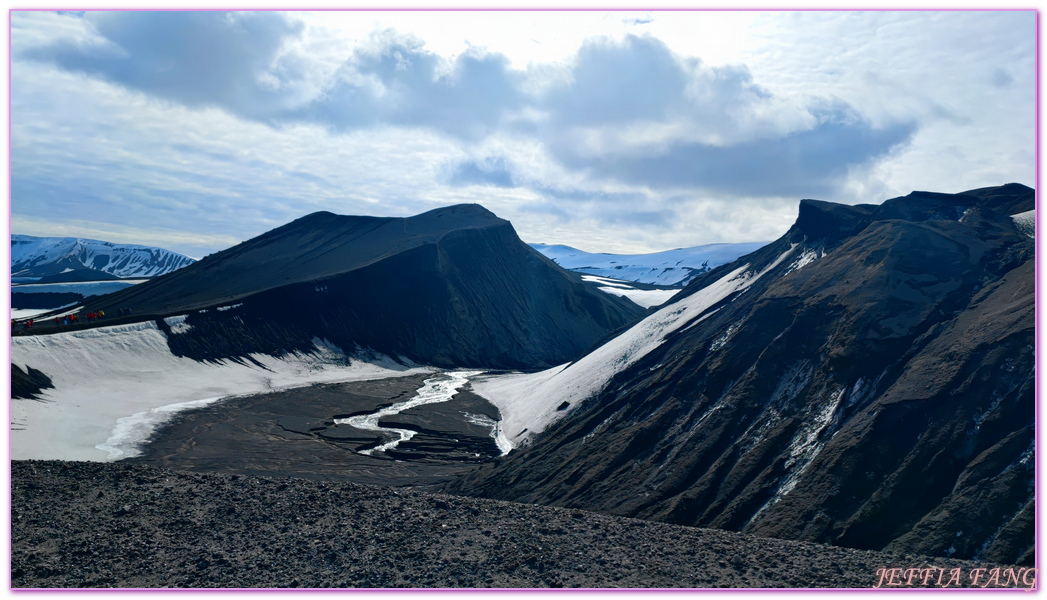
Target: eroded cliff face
[(873, 389)]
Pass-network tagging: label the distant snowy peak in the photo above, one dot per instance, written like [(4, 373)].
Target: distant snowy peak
[(45, 256), (672, 267)]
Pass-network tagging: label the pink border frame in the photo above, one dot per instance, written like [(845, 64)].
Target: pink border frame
[(1038, 331)]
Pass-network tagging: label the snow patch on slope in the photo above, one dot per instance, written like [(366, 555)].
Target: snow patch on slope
[(178, 324), (529, 402), (644, 298), (803, 449), (807, 257), (19, 314), (131, 432), (1026, 222), (607, 281), (106, 374)]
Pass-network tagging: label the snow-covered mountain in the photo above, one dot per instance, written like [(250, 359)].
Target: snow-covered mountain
[(672, 267), (76, 258)]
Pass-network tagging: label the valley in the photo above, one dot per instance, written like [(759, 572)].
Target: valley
[(864, 382), (311, 432), (523, 299)]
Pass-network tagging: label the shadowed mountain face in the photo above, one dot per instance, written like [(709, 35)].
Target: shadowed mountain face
[(874, 388), (454, 287)]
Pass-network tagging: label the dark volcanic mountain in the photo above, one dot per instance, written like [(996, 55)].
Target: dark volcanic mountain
[(453, 287), (867, 380)]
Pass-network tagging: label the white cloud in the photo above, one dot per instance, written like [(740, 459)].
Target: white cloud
[(874, 105)]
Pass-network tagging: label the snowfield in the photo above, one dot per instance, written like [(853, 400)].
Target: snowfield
[(19, 314), (644, 298), (115, 385), (529, 403)]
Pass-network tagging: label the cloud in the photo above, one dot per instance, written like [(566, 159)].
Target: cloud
[(644, 20), (1001, 78), (626, 110), (638, 79), (807, 163), (193, 58), (626, 138), (493, 172), (395, 81)]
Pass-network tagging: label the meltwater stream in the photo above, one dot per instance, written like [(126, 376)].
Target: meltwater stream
[(437, 389)]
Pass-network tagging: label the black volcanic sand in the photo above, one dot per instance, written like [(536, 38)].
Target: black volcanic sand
[(292, 433), (77, 524)]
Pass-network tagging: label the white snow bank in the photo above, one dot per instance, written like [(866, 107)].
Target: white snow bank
[(606, 281), (130, 433), (1026, 222), (645, 298), (109, 380), (529, 402), (178, 324), (29, 313)]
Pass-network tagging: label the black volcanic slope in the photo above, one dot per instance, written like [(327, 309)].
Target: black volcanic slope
[(104, 525), (879, 397), (453, 287)]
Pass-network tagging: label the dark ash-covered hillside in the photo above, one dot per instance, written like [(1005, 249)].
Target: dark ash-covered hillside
[(107, 525), (454, 287), (873, 390)]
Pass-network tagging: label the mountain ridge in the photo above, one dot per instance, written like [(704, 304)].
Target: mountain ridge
[(823, 352), (451, 287)]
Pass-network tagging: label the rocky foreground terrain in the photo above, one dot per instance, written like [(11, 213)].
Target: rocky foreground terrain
[(122, 525)]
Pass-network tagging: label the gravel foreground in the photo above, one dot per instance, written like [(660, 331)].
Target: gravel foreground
[(77, 525)]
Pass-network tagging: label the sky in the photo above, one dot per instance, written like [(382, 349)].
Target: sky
[(624, 131)]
